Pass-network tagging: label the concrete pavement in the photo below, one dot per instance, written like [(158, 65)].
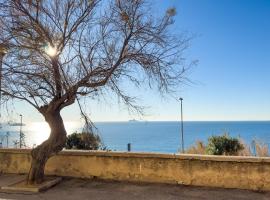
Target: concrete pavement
[(80, 189)]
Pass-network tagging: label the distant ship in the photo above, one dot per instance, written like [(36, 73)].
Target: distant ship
[(16, 124), (133, 120)]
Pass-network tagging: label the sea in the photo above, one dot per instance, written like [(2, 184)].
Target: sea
[(144, 136)]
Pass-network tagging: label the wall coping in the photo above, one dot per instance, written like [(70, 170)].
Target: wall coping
[(149, 155)]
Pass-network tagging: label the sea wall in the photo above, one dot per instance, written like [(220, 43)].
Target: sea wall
[(215, 171)]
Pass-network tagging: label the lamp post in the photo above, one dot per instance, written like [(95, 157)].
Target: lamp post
[(3, 51), (1, 60), (2, 54), (182, 126), (21, 132), (7, 136)]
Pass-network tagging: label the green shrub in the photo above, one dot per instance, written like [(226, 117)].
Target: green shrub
[(84, 140), (223, 145)]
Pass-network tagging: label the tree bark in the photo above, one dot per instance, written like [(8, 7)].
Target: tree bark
[(48, 148)]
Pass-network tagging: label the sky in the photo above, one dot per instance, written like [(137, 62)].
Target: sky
[(231, 81)]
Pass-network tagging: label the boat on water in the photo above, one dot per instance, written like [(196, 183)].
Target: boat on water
[(133, 120), (16, 124)]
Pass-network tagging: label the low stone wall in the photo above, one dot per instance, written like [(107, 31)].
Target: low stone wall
[(215, 171)]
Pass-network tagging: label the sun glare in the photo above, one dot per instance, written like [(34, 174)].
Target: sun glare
[(51, 51), (40, 131)]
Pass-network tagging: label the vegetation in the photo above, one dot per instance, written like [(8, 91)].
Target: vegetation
[(198, 148), (84, 140), (54, 53), (261, 149), (225, 145)]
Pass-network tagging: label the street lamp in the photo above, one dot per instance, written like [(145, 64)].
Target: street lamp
[(182, 126), (21, 132), (1, 60), (3, 51), (7, 136)]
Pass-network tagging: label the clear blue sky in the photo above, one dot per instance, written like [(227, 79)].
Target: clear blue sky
[(232, 78)]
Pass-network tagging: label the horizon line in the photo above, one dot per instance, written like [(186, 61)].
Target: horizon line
[(263, 120)]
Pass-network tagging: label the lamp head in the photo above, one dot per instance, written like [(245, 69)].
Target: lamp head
[(3, 49)]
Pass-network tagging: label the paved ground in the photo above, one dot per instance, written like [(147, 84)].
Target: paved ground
[(80, 189)]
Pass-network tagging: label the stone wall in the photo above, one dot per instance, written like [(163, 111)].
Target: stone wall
[(199, 170)]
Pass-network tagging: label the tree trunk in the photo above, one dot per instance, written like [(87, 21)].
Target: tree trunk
[(48, 148)]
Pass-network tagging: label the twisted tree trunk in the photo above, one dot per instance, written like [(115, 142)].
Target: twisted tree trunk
[(51, 146)]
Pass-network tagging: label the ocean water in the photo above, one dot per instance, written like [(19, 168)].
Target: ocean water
[(148, 136)]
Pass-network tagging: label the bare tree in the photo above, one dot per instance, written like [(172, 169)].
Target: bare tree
[(63, 50)]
